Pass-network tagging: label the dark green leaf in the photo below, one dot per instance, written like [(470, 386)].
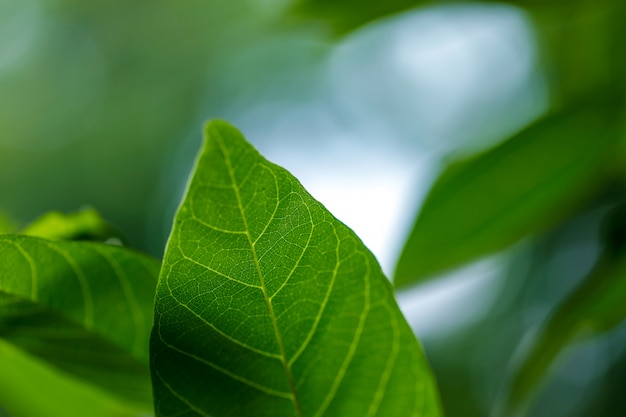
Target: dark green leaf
[(344, 16), (526, 184), (595, 307), (269, 306), (347, 15), (85, 308)]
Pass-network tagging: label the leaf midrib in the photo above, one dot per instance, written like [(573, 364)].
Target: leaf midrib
[(283, 356)]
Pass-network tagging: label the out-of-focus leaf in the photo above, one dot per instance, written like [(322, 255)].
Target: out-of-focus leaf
[(582, 47), (30, 388), (483, 204), (595, 307), (347, 15), (344, 16), (69, 347), (86, 224), (269, 306), (84, 307)]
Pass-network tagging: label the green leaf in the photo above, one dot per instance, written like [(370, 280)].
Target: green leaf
[(484, 204), (73, 349), (269, 306), (86, 224), (85, 308), (24, 380), (595, 307), (347, 15), (344, 16)]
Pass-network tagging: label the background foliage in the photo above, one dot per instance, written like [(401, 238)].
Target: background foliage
[(101, 103)]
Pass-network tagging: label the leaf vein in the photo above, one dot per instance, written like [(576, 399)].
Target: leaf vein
[(181, 398), (299, 260), (82, 282), (32, 266), (218, 330), (353, 346), (196, 219), (389, 365), (318, 317), (215, 271), (246, 381), (133, 304), (227, 158)]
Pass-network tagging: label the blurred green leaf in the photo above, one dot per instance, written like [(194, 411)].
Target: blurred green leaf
[(581, 47), (344, 16), (595, 307), (83, 307), (30, 388), (269, 306), (73, 349), (86, 224), (347, 15), (485, 203)]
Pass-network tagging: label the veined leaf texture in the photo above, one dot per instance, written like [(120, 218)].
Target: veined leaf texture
[(80, 307), (269, 306)]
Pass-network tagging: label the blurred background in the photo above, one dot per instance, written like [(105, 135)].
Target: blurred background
[(102, 104)]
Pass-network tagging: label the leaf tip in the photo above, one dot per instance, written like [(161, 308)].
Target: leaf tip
[(217, 124), (219, 129)]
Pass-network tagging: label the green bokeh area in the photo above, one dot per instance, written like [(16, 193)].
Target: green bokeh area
[(95, 96)]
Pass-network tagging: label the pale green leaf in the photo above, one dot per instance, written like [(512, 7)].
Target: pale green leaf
[(269, 306), (30, 388), (86, 224), (533, 180), (85, 308)]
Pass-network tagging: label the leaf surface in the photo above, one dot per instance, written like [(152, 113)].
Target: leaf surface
[(83, 307), (30, 388), (483, 204), (269, 306)]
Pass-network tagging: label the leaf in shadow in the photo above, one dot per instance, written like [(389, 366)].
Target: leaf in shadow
[(347, 15), (29, 387), (485, 203), (70, 347), (269, 306), (595, 307)]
